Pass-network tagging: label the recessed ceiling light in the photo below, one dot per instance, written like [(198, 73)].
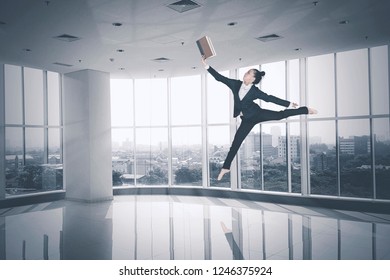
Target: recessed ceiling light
[(270, 37), (161, 59), (117, 24), (183, 6), (62, 64), (67, 38), (344, 22)]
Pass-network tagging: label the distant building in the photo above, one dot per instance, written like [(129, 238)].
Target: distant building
[(268, 149), (295, 149), (347, 145), (355, 145)]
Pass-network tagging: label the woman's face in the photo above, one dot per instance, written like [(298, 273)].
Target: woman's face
[(249, 77)]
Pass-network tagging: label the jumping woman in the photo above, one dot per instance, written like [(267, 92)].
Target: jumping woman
[(244, 93)]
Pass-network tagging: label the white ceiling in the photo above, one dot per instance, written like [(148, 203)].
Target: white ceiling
[(151, 30)]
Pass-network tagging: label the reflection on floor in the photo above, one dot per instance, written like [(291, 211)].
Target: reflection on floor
[(182, 227)]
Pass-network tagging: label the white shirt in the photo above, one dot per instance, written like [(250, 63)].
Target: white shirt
[(244, 90)]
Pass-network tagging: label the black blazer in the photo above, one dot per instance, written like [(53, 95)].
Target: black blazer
[(246, 105)]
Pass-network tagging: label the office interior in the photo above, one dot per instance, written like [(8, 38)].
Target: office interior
[(113, 133)]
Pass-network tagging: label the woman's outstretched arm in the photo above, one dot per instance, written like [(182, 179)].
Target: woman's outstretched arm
[(220, 78)]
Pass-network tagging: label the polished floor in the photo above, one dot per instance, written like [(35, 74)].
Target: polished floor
[(161, 227)]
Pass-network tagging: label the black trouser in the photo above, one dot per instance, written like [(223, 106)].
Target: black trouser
[(247, 125)]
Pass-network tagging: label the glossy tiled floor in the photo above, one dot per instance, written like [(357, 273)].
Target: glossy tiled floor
[(184, 227)]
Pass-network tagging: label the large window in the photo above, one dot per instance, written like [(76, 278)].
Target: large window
[(381, 141), (219, 110), (122, 120), (177, 131), (33, 130), (352, 83), (323, 158), (151, 142), (321, 85), (355, 158), (187, 157)]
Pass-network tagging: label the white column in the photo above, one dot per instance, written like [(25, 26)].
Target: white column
[(305, 162), (2, 133), (87, 136)]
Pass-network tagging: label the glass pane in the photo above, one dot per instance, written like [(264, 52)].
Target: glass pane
[(352, 83), (355, 158), (274, 83), (13, 159), (13, 94), (380, 80), (151, 102), (186, 100), (53, 98), (381, 130), (121, 102), (152, 156), (33, 96), (293, 83), (274, 157), (34, 146), (31, 176), (295, 153), (53, 172), (54, 148), (250, 153), (320, 83), (187, 156), (323, 158), (122, 157), (218, 96), (219, 144)]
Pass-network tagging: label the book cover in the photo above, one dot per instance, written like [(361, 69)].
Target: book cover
[(206, 47)]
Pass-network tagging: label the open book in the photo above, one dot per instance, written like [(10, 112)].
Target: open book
[(206, 47)]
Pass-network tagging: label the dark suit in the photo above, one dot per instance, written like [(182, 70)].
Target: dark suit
[(252, 113)]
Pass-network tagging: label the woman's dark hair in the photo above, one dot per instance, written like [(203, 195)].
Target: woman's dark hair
[(258, 76)]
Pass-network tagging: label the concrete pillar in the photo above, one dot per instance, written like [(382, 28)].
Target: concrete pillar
[(87, 136)]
